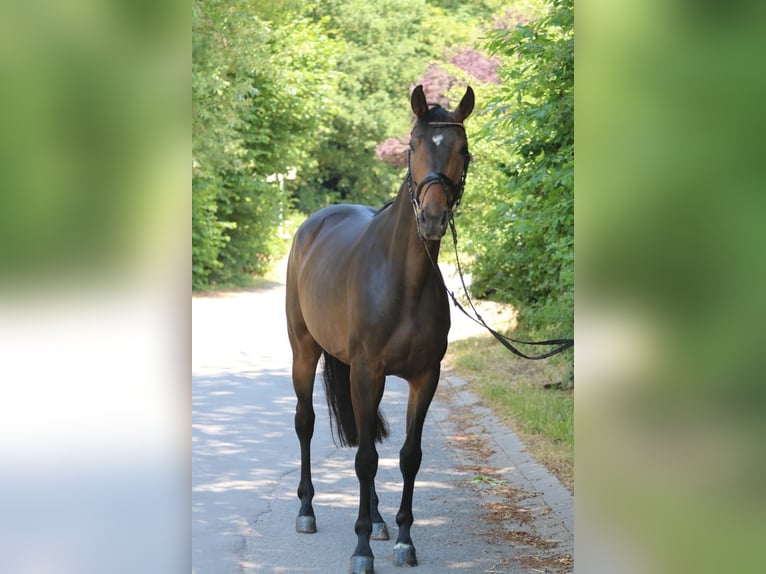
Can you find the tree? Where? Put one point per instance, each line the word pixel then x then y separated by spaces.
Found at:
pixel 259 93
pixel 522 219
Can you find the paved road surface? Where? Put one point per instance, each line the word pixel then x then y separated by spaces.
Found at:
pixel 481 504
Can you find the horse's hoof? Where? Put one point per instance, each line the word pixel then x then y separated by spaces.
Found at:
pixel 379 531
pixel 305 525
pixel 361 565
pixel 404 555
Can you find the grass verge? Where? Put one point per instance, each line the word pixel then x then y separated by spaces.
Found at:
pixel 515 389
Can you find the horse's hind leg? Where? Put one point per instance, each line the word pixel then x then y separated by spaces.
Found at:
pixel 379 527
pixel 305 357
pixel 422 390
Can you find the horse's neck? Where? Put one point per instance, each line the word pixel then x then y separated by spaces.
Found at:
pixel 419 258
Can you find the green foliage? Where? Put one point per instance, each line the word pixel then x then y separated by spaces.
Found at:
pixel 521 221
pixel 382 48
pixel 259 92
pixel 208 238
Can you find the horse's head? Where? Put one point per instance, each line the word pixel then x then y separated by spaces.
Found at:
pixel 437 162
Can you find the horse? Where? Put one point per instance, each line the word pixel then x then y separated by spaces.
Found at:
pixel 364 292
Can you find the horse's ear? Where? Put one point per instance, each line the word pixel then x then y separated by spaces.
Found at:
pixel 418 101
pixel 466 105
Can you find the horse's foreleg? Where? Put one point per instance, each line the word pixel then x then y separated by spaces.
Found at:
pixel 422 391
pixel 304 369
pixel 366 392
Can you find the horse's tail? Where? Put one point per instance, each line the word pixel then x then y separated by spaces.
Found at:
pixel 337 385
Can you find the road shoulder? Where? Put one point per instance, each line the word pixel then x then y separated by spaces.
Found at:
pixel 524 505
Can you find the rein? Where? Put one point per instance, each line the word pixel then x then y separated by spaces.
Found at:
pixel 564 344
pixel 457 191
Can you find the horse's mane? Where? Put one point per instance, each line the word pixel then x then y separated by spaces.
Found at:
pixel 435 113
pixel 386 205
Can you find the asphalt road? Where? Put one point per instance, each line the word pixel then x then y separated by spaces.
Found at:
pixel 481 503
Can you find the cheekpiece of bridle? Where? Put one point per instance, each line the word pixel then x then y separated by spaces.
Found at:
pixel 455 189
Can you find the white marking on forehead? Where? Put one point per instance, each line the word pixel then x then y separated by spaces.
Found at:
pixel 437 139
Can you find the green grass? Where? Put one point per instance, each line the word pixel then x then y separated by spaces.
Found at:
pixel 545 412
pixel 515 389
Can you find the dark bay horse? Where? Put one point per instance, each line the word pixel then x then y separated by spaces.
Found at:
pixel 364 292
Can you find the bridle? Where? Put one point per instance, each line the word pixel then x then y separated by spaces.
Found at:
pixel 455 190
pixel 457 193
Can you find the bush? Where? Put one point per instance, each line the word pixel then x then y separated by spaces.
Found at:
pixel 521 221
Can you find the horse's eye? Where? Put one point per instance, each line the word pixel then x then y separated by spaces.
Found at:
pixel 412 146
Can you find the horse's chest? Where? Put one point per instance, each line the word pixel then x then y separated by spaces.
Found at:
pixel 406 342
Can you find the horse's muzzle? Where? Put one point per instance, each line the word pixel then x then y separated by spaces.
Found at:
pixel 433 216
pixel 432 227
